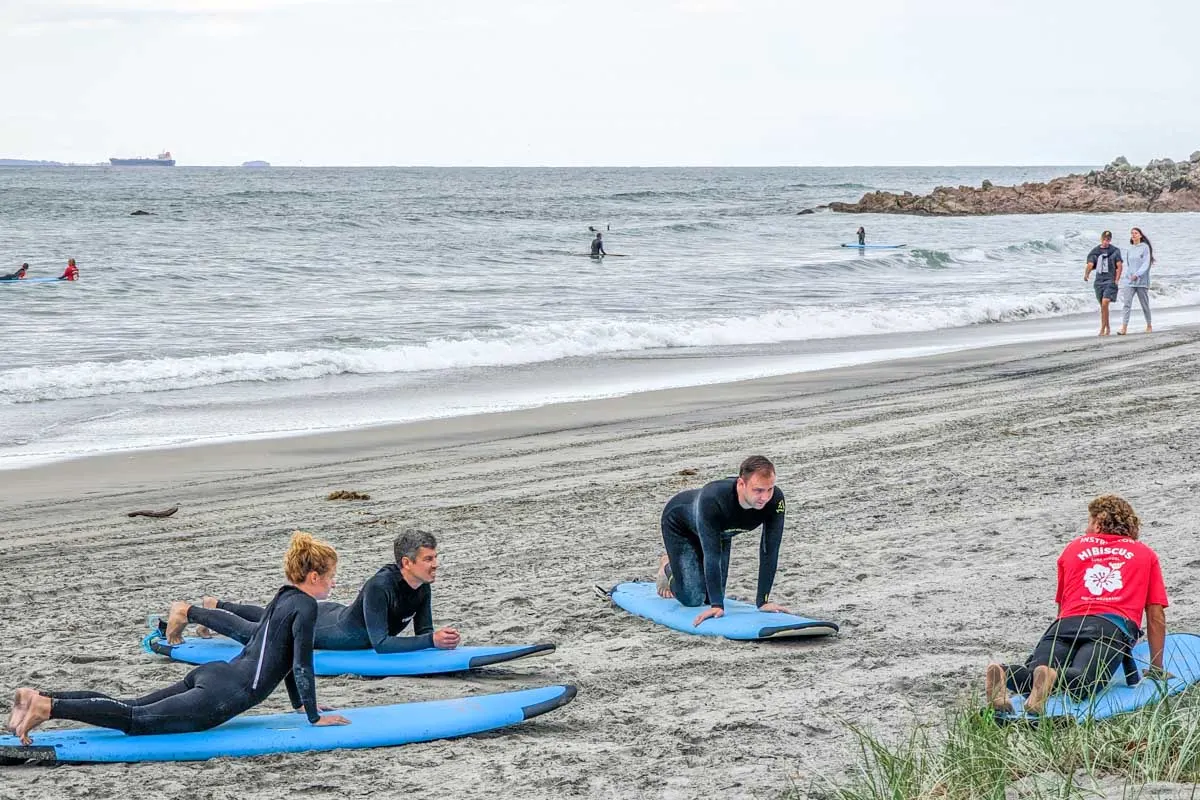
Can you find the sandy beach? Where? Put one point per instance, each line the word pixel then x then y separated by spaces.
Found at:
pixel 927 501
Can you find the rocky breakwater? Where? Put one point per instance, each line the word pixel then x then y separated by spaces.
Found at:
pixel 1161 185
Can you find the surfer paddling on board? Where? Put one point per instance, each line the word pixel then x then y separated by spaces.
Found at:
pixel 19 275
pixel 698 526
pixel 598 246
pixel 281 651
pixel 398 593
pixel 1107 580
pixel 71 273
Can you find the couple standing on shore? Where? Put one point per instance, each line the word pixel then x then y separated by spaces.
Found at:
pixel 1110 268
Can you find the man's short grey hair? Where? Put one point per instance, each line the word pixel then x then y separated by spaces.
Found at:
pixel 410 541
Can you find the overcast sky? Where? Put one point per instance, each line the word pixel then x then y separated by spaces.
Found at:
pixel 618 82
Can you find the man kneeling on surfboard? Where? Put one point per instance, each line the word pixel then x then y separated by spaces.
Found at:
pixel 281 651
pixel 397 594
pixel 698 526
pixel 1106 580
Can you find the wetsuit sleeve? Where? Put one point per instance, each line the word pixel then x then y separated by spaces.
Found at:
pixel 301 681
pixel 376 606
pixel 708 530
pixel 768 550
pixel 1091 258
pixel 423 621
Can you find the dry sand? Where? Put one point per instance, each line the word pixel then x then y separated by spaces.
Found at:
pixel 928 500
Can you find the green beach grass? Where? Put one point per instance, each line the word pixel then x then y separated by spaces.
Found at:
pixel 971 757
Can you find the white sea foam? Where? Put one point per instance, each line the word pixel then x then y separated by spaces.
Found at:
pixel 527 344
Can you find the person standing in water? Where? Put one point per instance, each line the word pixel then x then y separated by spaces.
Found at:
pixel 281 651
pixel 1138 258
pixel 1105 260
pixel 598 246
pixel 862 235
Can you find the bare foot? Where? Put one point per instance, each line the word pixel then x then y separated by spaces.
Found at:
pixel 176 622
pixel 997 691
pixel 37 711
pixel 1122 332
pixel 663 581
pixel 20 705
pixel 1043 684
pixel 206 602
pixel 1149 329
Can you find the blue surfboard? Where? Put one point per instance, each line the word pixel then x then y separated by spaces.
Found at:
pixel 430 661
pixel 262 734
pixel 741 621
pixel 33 280
pixel 1181 657
pixel 875 246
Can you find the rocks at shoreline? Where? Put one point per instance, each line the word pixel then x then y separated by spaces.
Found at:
pixel 1162 185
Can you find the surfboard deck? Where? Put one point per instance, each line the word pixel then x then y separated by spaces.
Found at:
pixel 742 621
pixel 263 734
pixel 35 280
pixel 368 663
pixel 875 246
pixel 1181 657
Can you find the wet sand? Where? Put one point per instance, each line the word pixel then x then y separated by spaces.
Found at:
pixel 927 501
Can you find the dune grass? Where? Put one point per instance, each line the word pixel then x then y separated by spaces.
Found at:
pixel 971 757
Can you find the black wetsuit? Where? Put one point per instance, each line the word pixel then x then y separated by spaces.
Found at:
pixel 698 526
pixel 12 276
pixel 383 608
pixel 280 650
pixel 598 247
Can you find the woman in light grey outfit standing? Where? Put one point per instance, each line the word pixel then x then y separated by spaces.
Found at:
pixel 1138 260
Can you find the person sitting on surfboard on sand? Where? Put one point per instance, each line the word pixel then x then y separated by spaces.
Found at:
pixel 1107 580
pixel 598 246
pixel 71 273
pixel 397 594
pixel 19 275
pixel 280 651
pixel 698 526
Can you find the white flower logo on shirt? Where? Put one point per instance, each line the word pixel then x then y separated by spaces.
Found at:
pixel 1100 579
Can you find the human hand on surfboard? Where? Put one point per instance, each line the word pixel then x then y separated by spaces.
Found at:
pixel 446 638
pixel 708 613
pixel 774 608
pixel 331 719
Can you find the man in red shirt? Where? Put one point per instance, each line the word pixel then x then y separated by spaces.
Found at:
pixel 71 273
pixel 1107 579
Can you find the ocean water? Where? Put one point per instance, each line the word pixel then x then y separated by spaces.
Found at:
pixel 280 301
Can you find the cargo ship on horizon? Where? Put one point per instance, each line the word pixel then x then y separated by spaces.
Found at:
pixel 164 159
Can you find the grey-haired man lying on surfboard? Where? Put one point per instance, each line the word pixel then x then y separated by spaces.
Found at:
pixel 698 526
pixel 397 594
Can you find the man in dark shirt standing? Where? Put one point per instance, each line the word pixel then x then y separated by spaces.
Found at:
pixel 1106 261
pixel 598 246
pixel 698 526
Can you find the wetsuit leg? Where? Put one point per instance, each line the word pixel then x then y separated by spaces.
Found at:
pixel 686 563
pixel 95 708
pixel 1099 647
pixel 226 623
pixel 1049 651
pixel 1084 650
pixel 243 610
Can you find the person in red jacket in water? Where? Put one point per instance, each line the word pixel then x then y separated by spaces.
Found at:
pixel 71 273
pixel 19 275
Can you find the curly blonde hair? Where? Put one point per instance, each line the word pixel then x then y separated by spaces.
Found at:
pixel 1114 515
pixel 306 554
